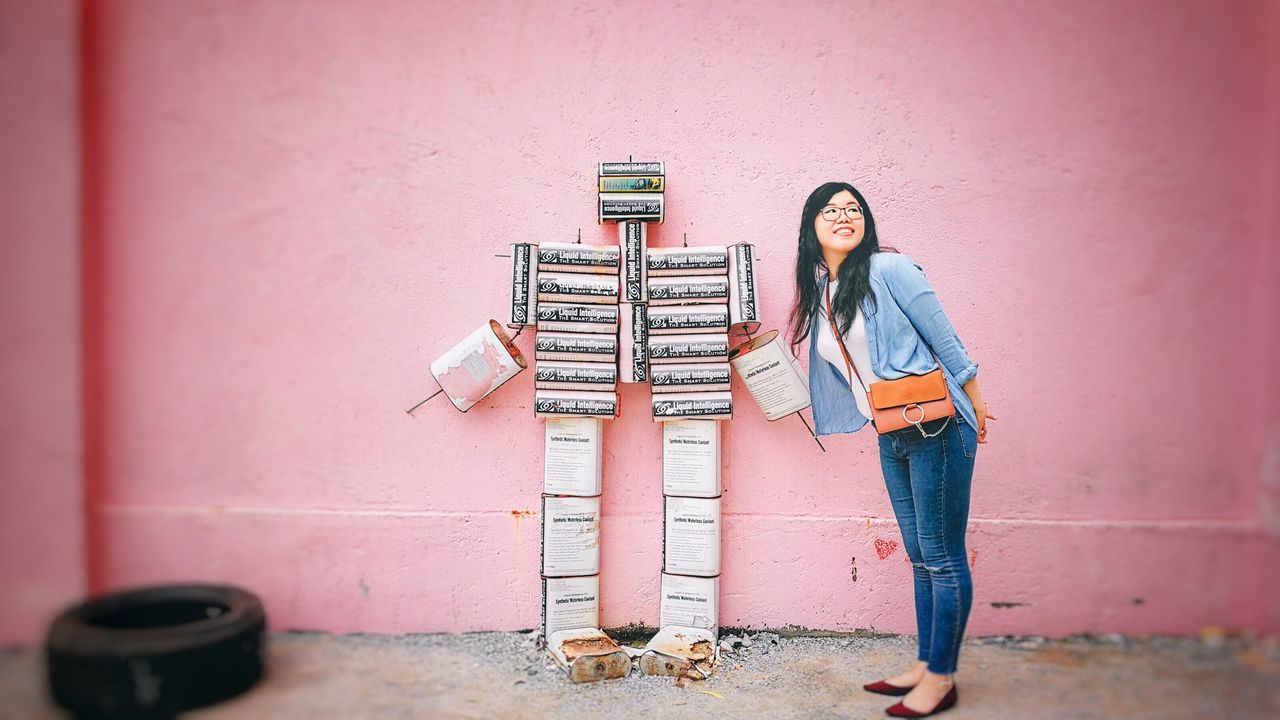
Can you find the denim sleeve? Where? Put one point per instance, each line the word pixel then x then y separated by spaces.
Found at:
pixel 920 304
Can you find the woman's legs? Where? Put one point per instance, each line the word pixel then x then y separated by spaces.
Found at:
pixel 941 470
pixel 933 518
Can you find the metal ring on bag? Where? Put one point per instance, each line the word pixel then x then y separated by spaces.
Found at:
pixel 909 420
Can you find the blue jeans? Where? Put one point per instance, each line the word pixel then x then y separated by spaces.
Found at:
pixel 928 481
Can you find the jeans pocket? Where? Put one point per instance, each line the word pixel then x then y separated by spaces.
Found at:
pixel 968 438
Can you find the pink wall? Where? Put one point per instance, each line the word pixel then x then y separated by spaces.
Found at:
pixel 41 489
pixel 1268 304
pixel 295 208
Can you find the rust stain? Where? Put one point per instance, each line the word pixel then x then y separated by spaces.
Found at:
pixel 576 648
pixel 1213 633
pixel 885 548
pixel 973 558
pixel 519 515
pixel 700 650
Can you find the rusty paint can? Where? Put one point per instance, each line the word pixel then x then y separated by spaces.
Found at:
pixel 588 655
pixel 678 651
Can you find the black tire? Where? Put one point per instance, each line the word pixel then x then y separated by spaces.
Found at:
pixel 156 651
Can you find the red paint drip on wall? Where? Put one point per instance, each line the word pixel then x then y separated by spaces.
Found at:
pixel 885 548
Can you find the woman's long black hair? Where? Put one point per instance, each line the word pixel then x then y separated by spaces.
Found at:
pixel 854 274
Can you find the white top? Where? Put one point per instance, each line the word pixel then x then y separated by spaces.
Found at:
pixel 855 341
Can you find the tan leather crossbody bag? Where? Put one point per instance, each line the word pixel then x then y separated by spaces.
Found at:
pixel 896 404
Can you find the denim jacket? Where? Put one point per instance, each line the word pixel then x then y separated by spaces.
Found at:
pixel 905 325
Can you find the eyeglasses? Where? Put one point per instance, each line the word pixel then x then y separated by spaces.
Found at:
pixel 831 214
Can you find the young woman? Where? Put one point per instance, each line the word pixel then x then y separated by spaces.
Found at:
pixel 891 326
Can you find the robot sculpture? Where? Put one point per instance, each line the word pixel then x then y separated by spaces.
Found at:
pixel 606 314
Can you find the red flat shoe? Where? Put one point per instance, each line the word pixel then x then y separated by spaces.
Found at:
pixel 948 701
pixel 883 688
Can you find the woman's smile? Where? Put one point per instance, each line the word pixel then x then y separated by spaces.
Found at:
pixel 839 226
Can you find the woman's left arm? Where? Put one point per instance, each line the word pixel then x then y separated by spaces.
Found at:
pixel 920 304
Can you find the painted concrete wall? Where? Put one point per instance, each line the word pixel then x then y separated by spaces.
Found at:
pixel 41 483
pixel 295 208
pixel 1269 310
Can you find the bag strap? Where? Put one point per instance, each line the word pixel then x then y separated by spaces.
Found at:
pixel 840 339
pixel 848 361
pixel 835 330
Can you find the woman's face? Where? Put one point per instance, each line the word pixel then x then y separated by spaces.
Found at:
pixel 840 225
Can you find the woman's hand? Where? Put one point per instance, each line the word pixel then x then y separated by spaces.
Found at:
pixel 984 414
pixel 980 408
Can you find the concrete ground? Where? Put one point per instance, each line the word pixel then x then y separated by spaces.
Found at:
pixel 503 675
